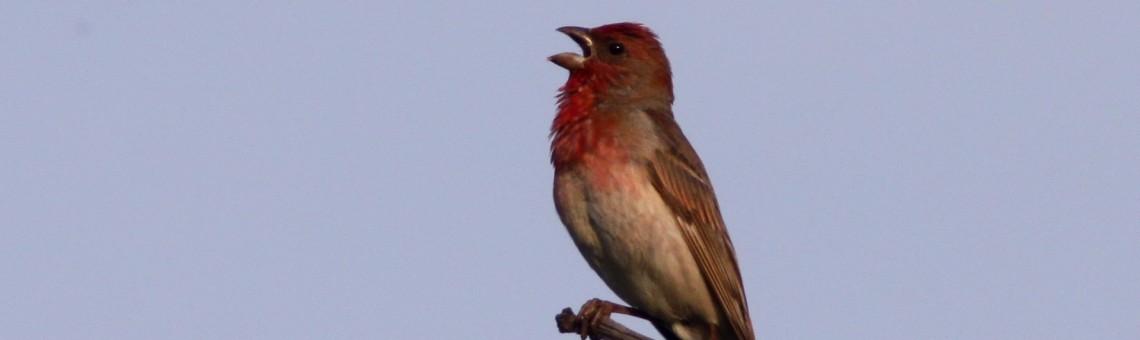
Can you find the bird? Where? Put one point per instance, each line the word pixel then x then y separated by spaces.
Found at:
pixel 633 194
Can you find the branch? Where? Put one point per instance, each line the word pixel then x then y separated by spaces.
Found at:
pixel 606 329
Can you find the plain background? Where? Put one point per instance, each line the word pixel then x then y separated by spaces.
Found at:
pixel 888 170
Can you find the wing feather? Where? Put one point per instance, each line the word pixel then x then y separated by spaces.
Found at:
pixel 680 178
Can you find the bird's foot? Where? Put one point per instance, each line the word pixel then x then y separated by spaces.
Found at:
pixel 594 311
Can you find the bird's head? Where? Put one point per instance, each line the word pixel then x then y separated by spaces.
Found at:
pixel 618 61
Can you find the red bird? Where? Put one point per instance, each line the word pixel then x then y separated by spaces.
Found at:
pixel 634 195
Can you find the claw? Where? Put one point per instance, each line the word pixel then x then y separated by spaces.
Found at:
pixel 592 312
pixel 595 311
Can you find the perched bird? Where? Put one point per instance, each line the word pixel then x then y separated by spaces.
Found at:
pixel 634 195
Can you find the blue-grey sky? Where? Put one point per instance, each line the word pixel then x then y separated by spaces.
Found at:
pixel 889 170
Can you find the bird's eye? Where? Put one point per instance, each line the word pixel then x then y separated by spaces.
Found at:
pixel 617 48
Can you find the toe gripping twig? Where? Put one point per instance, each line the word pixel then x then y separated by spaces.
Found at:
pixel 604 329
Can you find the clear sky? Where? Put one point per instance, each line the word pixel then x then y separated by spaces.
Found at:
pixel 891 170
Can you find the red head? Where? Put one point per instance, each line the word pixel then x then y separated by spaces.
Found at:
pixel 620 63
pixel 622 70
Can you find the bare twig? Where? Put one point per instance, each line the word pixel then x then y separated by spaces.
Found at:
pixel 606 329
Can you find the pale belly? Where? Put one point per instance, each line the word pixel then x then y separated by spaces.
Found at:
pixel 630 238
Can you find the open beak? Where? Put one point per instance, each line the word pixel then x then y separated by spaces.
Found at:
pixel 572 61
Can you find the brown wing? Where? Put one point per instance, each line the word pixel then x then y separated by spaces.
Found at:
pixel 680 178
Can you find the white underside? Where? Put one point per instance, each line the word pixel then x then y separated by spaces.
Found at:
pixel 635 244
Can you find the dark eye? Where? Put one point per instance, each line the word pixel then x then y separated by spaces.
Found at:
pixel 617 48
